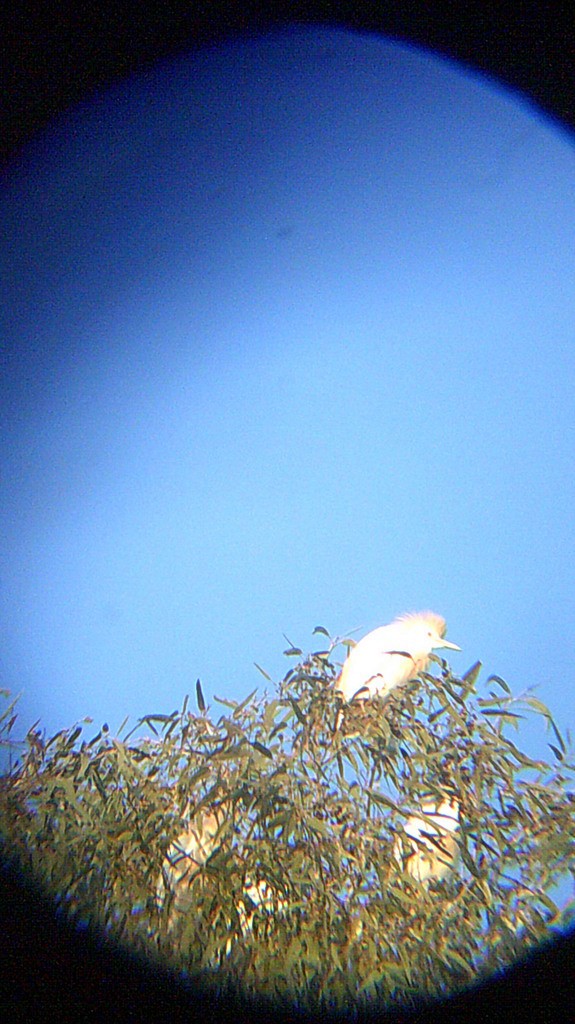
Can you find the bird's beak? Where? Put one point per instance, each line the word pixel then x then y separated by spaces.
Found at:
pixel 452 647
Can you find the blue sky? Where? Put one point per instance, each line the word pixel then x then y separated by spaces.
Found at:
pixel 289 336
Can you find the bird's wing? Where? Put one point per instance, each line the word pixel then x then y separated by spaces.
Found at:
pixel 374 665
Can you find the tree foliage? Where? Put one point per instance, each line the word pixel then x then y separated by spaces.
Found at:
pixel 313 798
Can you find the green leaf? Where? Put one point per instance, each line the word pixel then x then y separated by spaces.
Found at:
pixel 468 861
pixel 262 749
pixel 470 677
pixel 322 630
pixel 501 714
pixel 67 785
pixel 436 714
pixel 384 801
pixel 11 706
pixel 500 682
pixel 227 703
pixel 548 902
pixel 493 701
pixel 99 784
pixel 263 672
pixel 300 717
pixel 523 759
pixel 538 705
pixel 318 825
pixel 170 729
pixel 558 735
pixel 53 739
pixel 454 957
pixel 270 714
pixel 74 736
pixel 122 726
pixel 244 703
pixel 322 656
pixel 449 689
pixel 200 697
pixel 486 892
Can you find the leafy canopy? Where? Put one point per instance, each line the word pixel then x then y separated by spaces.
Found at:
pixel 313 799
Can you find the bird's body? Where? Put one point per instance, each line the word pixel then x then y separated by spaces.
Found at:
pixel 392 655
pixel 430 851
pixel 186 855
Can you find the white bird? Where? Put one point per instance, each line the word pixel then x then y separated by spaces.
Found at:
pixel 430 852
pixel 186 855
pixel 392 655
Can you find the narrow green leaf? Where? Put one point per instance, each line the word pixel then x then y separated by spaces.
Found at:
pixel 300 717
pixel 548 902
pixel 99 784
pixel 228 753
pixel 467 860
pixel 74 736
pixel 436 714
pixel 558 735
pixel 227 703
pixel 122 726
pixel 53 739
pixel 486 892
pixel 263 672
pixel 269 714
pixel 12 704
pixel 68 787
pixel 454 957
pixel 522 758
pixel 200 697
pixel 262 749
pixel 382 800
pixel 449 689
pixel 500 682
pixel 501 714
pixel 538 705
pixel 170 729
pixel 244 704
pixel 493 701
pixel 470 677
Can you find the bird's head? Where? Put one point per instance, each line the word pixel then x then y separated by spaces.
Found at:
pixel 428 630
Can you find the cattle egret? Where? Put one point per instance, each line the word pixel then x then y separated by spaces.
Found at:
pixel 186 855
pixel 430 851
pixel 392 655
